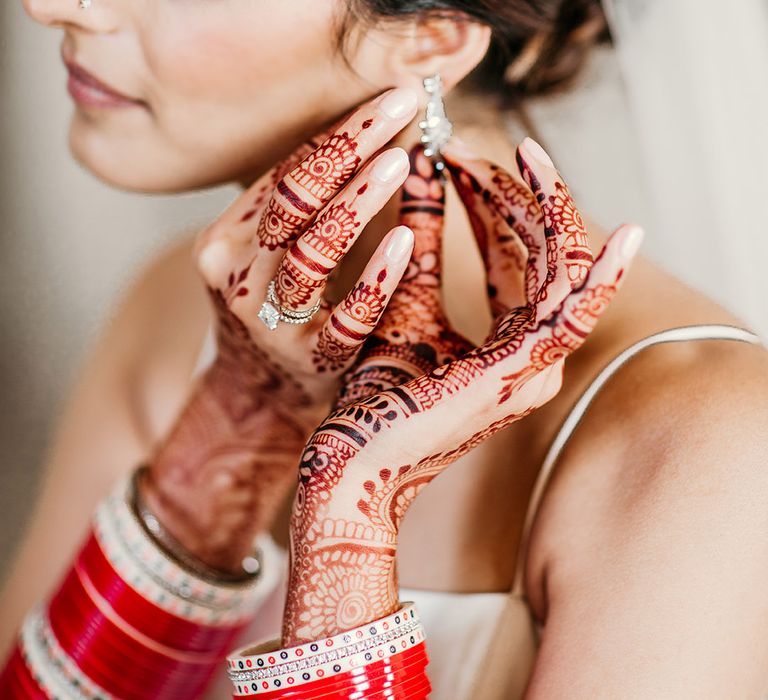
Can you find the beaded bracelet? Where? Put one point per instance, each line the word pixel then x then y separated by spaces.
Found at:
pixel 173 549
pixel 346 659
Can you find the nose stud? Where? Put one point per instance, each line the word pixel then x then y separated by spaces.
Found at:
pixel 85 4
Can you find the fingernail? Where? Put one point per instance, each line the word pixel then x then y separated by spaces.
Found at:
pixel 399 244
pixel 536 152
pixel 390 165
pixel 632 240
pixel 399 103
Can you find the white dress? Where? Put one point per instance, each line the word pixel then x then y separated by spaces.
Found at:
pixel 486 651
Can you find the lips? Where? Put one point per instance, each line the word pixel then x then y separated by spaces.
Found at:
pixel 88 90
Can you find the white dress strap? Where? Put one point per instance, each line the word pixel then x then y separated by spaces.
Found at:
pixel 671 335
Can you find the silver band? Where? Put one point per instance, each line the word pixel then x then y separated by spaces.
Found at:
pixel 272 312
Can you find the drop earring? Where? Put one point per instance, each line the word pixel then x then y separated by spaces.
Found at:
pixel 436 128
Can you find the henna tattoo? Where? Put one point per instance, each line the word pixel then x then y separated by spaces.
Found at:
pixel 352 495
pixel 561 220
pixel 307 263
pixel 223 470
pixel 414 336
pixel 412 339
pixel 352 322
pixel 510 218
pixel 308 187
pixel 504 216
pixel 221 474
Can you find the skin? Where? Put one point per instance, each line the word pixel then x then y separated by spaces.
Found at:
pixel 668 500
pixel 419 383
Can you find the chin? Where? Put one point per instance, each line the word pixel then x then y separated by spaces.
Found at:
pixel 137 163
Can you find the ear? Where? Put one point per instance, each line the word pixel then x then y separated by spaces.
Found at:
pixel 406 52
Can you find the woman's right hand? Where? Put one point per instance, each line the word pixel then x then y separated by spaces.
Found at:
pixel 225 468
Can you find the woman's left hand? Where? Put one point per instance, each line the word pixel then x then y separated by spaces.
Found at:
pixel 420 397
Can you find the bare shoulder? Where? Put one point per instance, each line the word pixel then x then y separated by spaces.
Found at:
pixel 649 537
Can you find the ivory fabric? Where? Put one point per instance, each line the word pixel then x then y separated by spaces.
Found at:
pixel 481 645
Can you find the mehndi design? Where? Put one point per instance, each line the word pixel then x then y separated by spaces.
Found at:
pixel 419 396
pixel 222 473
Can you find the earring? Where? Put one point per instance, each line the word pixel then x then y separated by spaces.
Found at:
pixel 85 4
pixel 436 128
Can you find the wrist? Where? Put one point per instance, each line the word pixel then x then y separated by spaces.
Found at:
pixel 388 654
pixel 343 574
pixel 181 552
pixel 225 469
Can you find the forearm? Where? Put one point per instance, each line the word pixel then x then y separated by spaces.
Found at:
pixel 228 463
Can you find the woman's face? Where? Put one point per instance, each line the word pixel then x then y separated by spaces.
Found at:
pixel 220 89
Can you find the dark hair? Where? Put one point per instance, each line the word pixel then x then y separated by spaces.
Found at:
pixel 537 46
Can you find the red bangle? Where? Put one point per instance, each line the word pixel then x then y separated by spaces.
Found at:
pixel 16 681
pixel 386 657
pixel 127 622
pixel 382 677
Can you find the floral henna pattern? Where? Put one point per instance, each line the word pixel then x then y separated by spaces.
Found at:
pixel 221 474
pixel 353 491
pixel 310 259
pixel 269 182
pixel 526 230
pixel 309 186
pixel 504 216
pixel 351 325
pixel 561 221
pixel 414 335
pixel 334 463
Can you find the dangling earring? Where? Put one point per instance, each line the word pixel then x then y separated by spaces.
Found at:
pixel 436 128
pixel 85 4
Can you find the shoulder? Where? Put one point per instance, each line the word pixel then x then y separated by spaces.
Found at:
pixel 673 413
pixel 656 529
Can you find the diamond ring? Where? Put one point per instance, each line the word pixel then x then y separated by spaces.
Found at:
pixel 272 312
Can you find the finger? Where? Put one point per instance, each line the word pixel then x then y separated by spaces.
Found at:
pixel 273 211
pixel 302 192
pixel 568 255
pixel 353 319
pixel 506 221
pixel 252 201
pixel 415 314
pixel 230 231
pixel 568 326
pixel 306 265
pixel 413 336
pixel 488 380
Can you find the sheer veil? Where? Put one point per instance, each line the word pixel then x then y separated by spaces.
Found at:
pixel 695 74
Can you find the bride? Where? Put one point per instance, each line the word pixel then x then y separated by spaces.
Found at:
pixel 595 534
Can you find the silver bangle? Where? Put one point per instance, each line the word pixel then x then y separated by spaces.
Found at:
pixel 176 552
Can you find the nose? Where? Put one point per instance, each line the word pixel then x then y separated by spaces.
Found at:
pixel 99 17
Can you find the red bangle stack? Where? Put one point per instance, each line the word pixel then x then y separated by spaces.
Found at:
pixel 383 659
pixel 127 622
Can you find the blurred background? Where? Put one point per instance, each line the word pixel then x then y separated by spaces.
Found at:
pixel 668 130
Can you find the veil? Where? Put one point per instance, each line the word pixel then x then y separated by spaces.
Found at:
pixel 695 74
